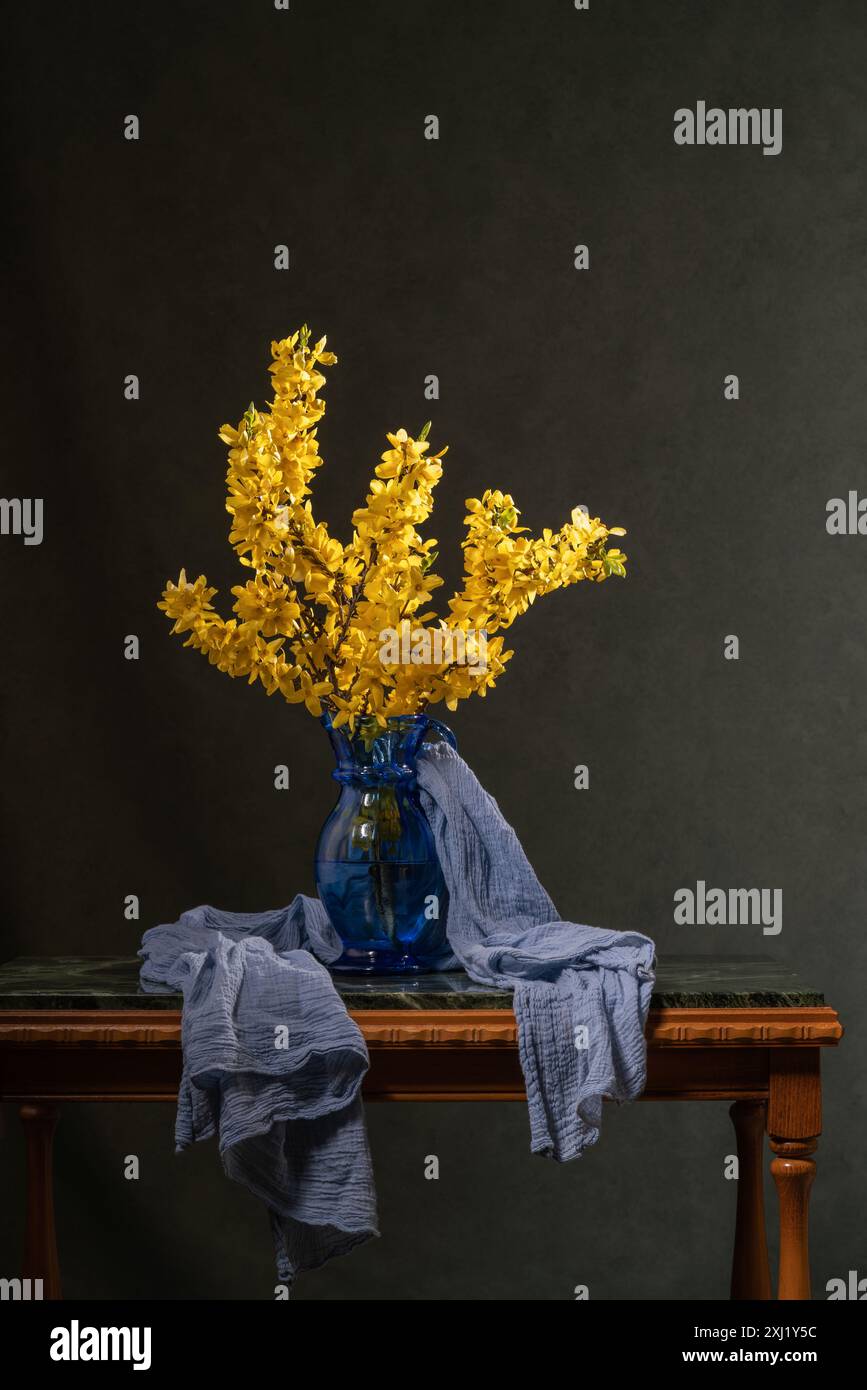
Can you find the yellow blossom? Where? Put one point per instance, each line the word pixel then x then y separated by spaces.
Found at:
pixel 308 622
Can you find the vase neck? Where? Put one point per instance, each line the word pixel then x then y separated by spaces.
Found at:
pixel 374 755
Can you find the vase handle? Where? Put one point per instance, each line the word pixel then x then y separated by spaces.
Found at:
pixel 436 726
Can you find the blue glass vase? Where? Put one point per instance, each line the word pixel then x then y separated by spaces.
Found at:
pixel 376 864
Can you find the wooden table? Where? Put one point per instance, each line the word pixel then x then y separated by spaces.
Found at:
pixel 738 1029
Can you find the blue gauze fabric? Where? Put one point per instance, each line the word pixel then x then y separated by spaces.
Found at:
pixel 504 930
pixel 273 1064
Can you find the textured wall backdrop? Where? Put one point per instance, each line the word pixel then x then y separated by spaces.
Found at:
pixel 605 386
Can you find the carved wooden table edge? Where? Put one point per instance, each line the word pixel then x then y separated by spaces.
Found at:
pixel 795 1026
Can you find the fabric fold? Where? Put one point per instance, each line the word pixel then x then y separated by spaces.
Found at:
pixel 272 1066
pixel 581 994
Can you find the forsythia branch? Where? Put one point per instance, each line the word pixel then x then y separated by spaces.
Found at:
pixel 309 622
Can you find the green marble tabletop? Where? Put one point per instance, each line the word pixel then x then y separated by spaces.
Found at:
pixel 111 982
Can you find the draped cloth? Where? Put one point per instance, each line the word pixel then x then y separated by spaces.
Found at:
pixel 273 1064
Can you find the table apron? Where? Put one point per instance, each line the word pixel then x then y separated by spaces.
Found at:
pixel 135 1055
pixel 106 1073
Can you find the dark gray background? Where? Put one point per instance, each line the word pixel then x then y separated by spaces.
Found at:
pixel 606 388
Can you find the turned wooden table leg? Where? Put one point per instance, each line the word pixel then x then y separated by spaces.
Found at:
pixel 793 1174
pixel 794 1125
pixel 40 1239
pixel 751 1273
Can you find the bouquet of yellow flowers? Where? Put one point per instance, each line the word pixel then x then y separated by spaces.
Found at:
pixel 349 629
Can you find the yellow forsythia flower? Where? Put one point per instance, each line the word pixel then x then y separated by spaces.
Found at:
pixel 309 622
